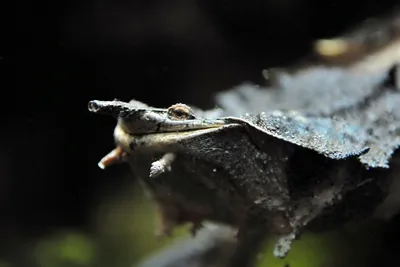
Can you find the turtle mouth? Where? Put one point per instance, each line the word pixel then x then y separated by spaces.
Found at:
pixel 144 126
pixel 160 141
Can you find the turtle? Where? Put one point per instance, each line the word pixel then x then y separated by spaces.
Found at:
pixel 302 154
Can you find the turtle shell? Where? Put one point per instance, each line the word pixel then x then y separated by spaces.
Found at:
pixel 337 113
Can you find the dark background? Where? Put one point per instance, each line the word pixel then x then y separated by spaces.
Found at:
pixel 159 52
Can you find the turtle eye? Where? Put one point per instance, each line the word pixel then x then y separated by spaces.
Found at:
pixel 180 112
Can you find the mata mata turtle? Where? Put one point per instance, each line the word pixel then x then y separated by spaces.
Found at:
pixel 306 152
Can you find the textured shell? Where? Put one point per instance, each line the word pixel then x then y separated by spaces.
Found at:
pixel 334 139
pixel 338 113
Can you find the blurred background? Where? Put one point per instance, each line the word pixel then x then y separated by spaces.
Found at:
pixel 57 207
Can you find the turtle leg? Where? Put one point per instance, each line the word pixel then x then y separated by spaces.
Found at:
pixel 283 245
pixel 308 209
pixel 162 165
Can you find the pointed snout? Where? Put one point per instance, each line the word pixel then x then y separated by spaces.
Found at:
pixel 114 108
